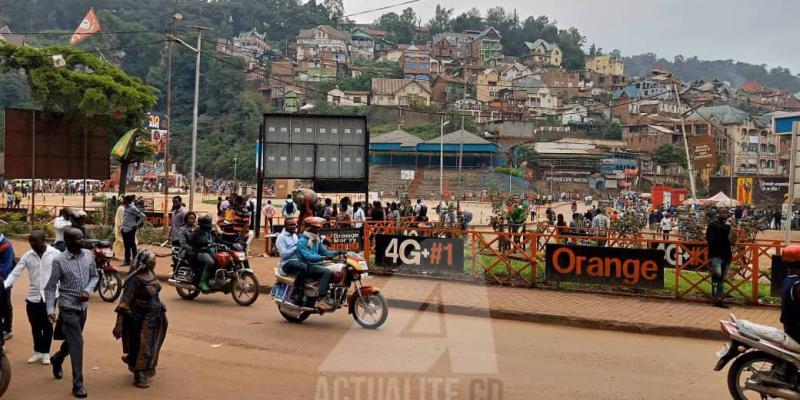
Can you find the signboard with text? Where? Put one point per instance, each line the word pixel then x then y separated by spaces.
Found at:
pixel 343 239
pixel 430 254
pixel 640 268
pixel 703 150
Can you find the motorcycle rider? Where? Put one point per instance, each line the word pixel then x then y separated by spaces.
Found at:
pixel 201 242
pixel 790 296
pixel 290 262
pixel 236 224
pixel 312 253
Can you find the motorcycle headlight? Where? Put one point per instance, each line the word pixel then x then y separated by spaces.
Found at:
pixel 239 255
pixel 108 253
pixel 363 265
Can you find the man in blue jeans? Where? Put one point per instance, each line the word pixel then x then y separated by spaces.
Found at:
pixel 290 262
pixel 313 253
pixel 720 237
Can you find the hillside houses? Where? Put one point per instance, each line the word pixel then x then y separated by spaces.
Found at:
pixel 541 52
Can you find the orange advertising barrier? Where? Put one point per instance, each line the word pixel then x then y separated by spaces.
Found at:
pixel 516 258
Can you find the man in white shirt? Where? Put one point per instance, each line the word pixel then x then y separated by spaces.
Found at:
pixel 358 216
pixel 666 225
pixel 60 224
pixel 39 262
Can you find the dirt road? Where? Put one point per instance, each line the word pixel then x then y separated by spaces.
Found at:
pixel 216 349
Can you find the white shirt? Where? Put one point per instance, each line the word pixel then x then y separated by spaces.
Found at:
pixel 359 216
pixel 666 224
pixel 60 224
pixel 38 271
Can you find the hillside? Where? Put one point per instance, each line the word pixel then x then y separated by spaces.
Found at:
pixel 693 68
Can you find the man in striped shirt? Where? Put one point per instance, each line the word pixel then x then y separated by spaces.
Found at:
pixel 74 275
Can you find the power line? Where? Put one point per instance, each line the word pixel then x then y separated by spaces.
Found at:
pixel 379 8
pixel 96 33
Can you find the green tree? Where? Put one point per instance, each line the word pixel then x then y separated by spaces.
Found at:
pixel 441 20
pixel 469 20
pixel 668 156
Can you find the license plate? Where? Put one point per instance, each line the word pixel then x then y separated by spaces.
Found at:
pixel 725 350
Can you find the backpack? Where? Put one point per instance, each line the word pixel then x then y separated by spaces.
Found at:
pixel 290 208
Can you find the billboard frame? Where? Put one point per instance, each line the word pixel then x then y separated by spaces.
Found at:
pixel 320 185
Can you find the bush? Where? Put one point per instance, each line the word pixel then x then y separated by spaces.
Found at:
pixel 150 234
pixel 101 232
pixel 99 198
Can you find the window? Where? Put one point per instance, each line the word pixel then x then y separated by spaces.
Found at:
pixel 357 100
pixel 409 65
pixel 337 99
pixel 423 66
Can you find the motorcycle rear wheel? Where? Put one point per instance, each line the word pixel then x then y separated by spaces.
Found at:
pixel 370 310
pixel 110 286
pixel 245 289
pixel 188 294
pixel 753 362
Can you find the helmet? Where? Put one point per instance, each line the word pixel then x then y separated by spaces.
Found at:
pixel 791 254
pixel 205 222
pixel 314 221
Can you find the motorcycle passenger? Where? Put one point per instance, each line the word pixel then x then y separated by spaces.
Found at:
pixel 312 252
pixel 201 242
pixel 236 224
pixel 290 262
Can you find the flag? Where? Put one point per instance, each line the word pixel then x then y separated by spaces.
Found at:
pixel 88 26
pixel 120 150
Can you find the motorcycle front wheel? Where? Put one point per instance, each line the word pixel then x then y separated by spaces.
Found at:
pixel 110 286
pixel 749 366
pixel 244 288
pixel 370 310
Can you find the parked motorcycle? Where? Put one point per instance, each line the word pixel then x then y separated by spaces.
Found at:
pixel 367 305
pixel 109 286
pixel 232 275
pixel 762 368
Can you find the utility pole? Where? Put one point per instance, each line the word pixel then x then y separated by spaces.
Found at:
pixel 686 144
pixel 235 165
pixel 172 19
pixel 441 157
pixel 198 50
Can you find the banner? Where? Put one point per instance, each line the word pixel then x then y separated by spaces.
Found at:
pixel 744 190
pixel 120 149
pixel 691 256
pixel 641 268
pixel 703 151
pixel 420 253
pixel 90 25
pixel 407 175
pixel 343 239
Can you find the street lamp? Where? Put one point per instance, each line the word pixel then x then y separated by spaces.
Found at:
pixel 177 17
pixel 441 157
pixel 197 50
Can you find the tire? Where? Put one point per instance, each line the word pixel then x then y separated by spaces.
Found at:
pixel 188 294
pixel 238 293
pixel 359 305
pixel 295 320
pixel 738 366
pixel 110 286
pixel 5 374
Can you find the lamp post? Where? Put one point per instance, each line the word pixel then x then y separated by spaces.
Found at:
pixel 197 50
pixel 441 157
pixel 177 17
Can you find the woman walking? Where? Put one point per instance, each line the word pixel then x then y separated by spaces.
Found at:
pixel 141 319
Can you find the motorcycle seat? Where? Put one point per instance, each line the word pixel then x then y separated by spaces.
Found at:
pixel 288 279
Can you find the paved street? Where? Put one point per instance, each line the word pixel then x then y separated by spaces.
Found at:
pixel 215 349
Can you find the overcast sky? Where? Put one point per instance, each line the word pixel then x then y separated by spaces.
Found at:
pixel 755 31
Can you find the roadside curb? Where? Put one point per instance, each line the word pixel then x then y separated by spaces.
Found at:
pixel 541 318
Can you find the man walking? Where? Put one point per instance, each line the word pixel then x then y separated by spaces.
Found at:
pixel 720 237
pixel 132 218
pixel 177 216
pixel 39 262
pixel 74 275
pixel 6 265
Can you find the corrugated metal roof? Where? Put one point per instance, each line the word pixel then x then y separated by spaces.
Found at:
pixel 389 86
pixel 401 137
pixel 547 45
pixel 723 114
pixel 460 137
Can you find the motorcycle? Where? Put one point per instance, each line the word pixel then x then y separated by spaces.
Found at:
pixel 762 364
pixel 232 274
pixel 109 285
pixel 366 303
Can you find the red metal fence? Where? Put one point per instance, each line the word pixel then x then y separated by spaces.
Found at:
pixel 517 258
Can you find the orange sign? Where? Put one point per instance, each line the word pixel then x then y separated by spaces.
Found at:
pixel 744 190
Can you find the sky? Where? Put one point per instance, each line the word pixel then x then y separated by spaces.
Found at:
pixel 754 31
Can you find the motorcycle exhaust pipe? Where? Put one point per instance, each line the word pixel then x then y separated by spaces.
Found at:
pixel 774 392
pixel 181 285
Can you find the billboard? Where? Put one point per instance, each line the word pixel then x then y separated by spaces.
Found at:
pixel 324 148
pixel 431 254
pixel 59 147
pixel 641 268
pixel 744 190
pixel 703 151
